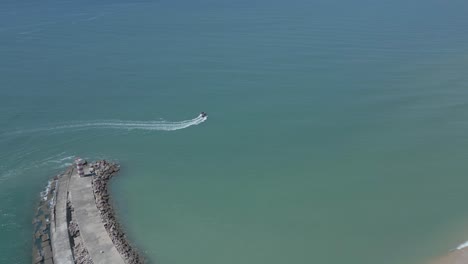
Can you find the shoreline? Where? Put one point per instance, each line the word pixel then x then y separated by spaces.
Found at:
pixel 75 221
pixel 459 255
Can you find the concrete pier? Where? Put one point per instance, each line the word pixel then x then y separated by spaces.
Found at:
pixel 59 228
pixel 83 226
pixel 92 231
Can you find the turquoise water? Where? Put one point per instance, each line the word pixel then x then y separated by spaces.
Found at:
pixel 336 131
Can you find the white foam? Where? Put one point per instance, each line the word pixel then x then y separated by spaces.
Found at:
pixel 67 158
pixel 121 125
pixel 46 191
pixel 60 160
pixel 65 165
pixel 464 245
pixel 4 176
pixel 135 125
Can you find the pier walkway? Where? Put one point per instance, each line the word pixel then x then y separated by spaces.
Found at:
pixel 61 248
pixel 92 231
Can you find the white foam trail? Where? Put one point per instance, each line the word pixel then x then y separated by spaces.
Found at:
pixel 132 125
pixel 123 125
pixel 67 158
pixel 4 176
pixel 60 160
pixel 65 165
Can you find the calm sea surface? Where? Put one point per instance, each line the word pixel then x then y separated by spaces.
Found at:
pixel 337 130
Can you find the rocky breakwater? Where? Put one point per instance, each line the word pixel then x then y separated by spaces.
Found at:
pixel 103 172
pixel 42 249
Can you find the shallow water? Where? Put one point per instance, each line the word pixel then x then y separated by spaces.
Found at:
pixel 336 131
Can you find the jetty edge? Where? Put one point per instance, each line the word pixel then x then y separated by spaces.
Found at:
pixel 75 222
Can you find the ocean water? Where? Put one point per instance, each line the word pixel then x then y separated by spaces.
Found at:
pixel 337 130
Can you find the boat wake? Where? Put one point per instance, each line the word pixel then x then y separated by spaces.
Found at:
pixel 133 125
pixel 122 125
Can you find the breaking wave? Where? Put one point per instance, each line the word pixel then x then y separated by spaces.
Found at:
pixel 462 246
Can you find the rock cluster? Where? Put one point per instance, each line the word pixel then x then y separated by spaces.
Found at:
pixel 42 249
pixel 103 172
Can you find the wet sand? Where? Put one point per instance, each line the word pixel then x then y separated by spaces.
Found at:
pixel 458 256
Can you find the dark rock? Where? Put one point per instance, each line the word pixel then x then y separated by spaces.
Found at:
pixel 104 171
pixel 39 259
pixel 45 237
pixel 47 252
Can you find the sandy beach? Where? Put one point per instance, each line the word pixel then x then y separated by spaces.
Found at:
pixel 458 256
